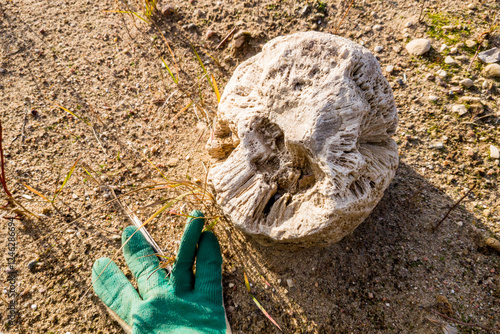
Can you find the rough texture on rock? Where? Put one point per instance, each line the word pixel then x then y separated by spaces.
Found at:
pixel 419 46
pixel 303 137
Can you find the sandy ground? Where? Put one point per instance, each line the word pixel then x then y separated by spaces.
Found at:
pixel 391 275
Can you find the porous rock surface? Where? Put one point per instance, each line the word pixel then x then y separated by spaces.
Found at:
pixel 303 140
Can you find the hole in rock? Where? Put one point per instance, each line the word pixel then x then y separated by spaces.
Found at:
pixel 271 202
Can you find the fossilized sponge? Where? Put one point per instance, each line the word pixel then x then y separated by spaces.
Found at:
pixel 303 140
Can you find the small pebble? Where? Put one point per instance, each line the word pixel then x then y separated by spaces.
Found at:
pixel 460 109
pixel 430 77
pixel 409 24
pixel 389 69
pixel 436 145
pixel 442 73
pixel 27 196
pixel 305 10
pixel 462 58
pixel 231 285
pixel 418 46
pixel 470 43
pixel 72 257
pixel 453 50
pixel 32 265
pixel 460 223
pixel 34 307
pixel 172 162
pixel 467 83
pixel 443 47
pixel 494 152
pixel 290 283
pixel 487 212
pixel 377 27
pixel 492 71
pixel 433 98
pixel 209 33
pixel 379 48
pixel 450 61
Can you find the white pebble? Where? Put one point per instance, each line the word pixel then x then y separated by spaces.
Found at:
pixel 33 306
pixel 450 61
pixel 442 73
pixel 494 153
pixel 389 69
pixel 379 48
pixel 467 83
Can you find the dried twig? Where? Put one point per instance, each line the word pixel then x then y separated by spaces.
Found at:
pixel 452 208
pixel 482 37
pixel 422 7
pixel 224 40
pixel 343 17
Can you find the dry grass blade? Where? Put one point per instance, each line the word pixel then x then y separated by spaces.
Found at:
pixel 66 179
pixel 216 89
pixel 203 67
pixel 169 71
pixel 265 312
pixel 71 113
pixel 167 206
pixel 127 12
pixel 247 284
pixel 36 192
pixel 211 225
pixel 152 164
pixel 181 111
pixel 261 308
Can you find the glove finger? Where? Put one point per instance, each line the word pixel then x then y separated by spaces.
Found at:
pixel 208 281
pixel 141 260
pixel 114 289
pixel 182 277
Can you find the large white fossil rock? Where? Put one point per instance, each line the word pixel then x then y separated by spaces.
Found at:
pixel 303 140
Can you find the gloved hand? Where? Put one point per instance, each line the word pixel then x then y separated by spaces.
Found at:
pixel 181 303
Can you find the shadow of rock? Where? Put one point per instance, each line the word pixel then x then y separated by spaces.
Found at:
pixel 384 277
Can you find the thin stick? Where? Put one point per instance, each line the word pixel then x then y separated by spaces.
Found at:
pixel 224 40
pixel 482 37
pixel 421 12
pixel 343 17
pixel 452 208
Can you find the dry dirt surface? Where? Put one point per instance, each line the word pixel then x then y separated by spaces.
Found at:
pixel 82 83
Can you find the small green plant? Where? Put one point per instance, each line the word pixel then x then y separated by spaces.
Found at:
pixel 455 35
pixel 321 5
pixel 148 11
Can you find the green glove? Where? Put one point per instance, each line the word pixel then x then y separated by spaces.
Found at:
pixel 182 303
